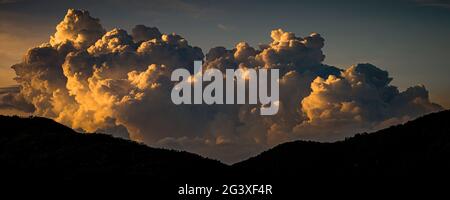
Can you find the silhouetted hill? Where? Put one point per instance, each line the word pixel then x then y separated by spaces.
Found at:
pixel 36 147
pixel 41 148
pixel 419 148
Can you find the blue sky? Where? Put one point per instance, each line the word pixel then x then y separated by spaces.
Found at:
pixel 408 38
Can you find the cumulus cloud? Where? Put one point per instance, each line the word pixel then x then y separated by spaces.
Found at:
pixel 359 98
pixel 96 80
pixel 79 28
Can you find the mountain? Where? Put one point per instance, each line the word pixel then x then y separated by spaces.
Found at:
pixel 419 148
pixel 35 147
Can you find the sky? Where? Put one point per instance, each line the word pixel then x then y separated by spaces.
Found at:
pixel 408 38
pixel 346 67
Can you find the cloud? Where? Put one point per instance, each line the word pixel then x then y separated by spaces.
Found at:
pixel 141 33
pixel 434 3
pixel 79 28
pixel 96 80
pixel 11 99
pixel 225 27
pixel 11 89
pixel 9 1
pixel 360 97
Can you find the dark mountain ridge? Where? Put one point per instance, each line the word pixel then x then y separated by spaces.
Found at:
pixel 39 147
pixel 419 148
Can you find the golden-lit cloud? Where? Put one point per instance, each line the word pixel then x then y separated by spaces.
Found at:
pixel 96 80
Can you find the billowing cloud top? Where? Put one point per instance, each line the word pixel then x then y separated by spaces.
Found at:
pixel 96 80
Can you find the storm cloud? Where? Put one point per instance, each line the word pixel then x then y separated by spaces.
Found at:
pixel 92 79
